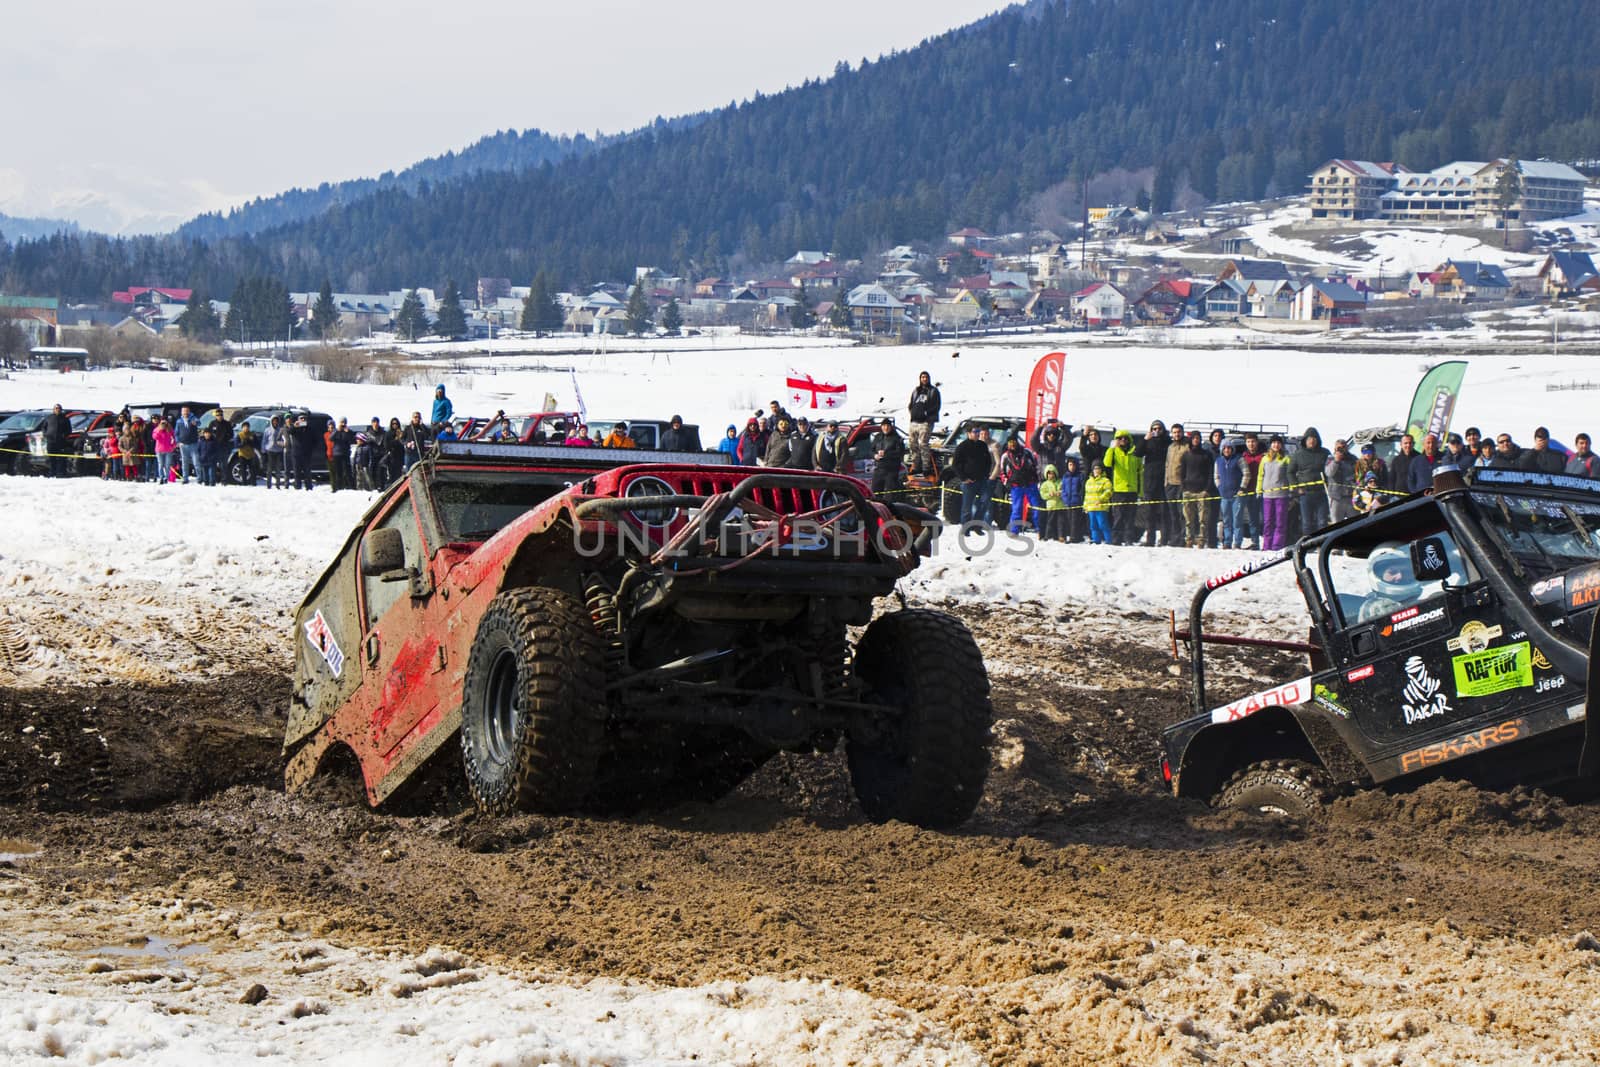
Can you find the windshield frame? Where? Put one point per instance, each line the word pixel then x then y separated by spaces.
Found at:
pixel 1498 515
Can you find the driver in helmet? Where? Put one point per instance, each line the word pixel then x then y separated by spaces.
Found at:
pixel 1394 586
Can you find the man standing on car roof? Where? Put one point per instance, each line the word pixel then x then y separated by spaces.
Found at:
pixel 679 438
pixel 923 410
pixel 442 408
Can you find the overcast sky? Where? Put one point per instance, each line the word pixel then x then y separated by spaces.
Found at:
pixel 145 114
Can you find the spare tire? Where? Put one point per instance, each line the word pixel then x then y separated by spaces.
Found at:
pixel 533 712
pixel 927 764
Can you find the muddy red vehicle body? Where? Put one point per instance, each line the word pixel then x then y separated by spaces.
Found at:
pixel 579 627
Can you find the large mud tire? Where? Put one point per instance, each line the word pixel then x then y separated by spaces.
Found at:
pixel 950 503
pixel 928 767
pixel 533 714
pixel 1277 787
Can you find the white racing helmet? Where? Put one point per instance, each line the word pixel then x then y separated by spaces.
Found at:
pixel 1392 576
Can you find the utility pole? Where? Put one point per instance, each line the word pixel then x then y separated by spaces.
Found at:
pixel 1083 234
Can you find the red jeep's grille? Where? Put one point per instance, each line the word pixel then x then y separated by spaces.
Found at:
pixel 784 500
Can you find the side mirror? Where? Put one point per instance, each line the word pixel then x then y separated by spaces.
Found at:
pixel 382 553
pixel 1429 561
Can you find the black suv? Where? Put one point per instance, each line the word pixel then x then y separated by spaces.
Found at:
pixel 240 471
pixel 1451 634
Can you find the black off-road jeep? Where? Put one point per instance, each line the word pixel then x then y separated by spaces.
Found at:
pixel 1451 634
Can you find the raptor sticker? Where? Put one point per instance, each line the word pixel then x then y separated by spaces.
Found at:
pixel 321 638
pixel 1483 674
pixel 1423 696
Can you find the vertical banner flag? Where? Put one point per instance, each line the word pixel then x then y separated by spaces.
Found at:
pixel 1044 391
pixel 1435 401
pixel 806 392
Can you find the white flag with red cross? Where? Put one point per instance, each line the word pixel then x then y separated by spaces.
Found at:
pixel 806 392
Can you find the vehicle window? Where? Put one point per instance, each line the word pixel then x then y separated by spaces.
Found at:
pixel 380 596
pixel 1374 582
pixel 476 507
pixel 23 420
pixel 645 436
pixel 1544 536
pixel 79 422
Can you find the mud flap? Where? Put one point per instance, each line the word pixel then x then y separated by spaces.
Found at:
pixel 1589 762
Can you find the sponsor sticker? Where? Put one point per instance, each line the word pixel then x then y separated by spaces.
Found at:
pixel 1360 674
pixel 1482 674
pixel 1283 696
pixel 1246 569
pixel 321 638
pixel 1540 660
pixel 1423 696
pixel 1474 637
pixel 1411 618
pixel 1328 700
pixel 1548 590
pixel 1583 589
pixel 1465 745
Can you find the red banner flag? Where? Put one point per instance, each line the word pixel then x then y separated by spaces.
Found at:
pixel 1044 391
pixel 802 386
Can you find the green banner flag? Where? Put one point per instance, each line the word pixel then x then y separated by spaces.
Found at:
pixel 1435 401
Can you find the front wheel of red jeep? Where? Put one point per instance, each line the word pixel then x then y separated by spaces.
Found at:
pixel 926 763
pixel 533 710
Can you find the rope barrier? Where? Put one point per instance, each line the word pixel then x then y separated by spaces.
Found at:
pixel 944 488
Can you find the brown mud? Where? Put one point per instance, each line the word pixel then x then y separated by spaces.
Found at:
pixel 1082 916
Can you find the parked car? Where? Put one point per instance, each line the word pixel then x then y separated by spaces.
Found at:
pixel 239 471
pixel 89 429
pixel 168 409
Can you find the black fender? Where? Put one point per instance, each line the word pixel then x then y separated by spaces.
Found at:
pixel 1216 750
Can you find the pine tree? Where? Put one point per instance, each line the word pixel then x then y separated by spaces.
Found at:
pixel 540 312
pixel 672 318
pixel 452 321
pixel 1507 191
pixel 800 316
pixel 411 319
pixel 839 314
pixel 199 320
pixel 549 317
pixel 325 313
pixel 1163 187
pixel 636 316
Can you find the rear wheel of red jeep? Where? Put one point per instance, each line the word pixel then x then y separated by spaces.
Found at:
pixel 533 711
pixel 927 764
pixel 1277 787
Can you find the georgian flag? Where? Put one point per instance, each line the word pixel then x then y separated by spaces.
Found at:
pixel 806 391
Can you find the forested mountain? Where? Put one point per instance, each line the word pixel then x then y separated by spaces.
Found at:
pixel 1240 98
pixel 13 227
pixel 507 150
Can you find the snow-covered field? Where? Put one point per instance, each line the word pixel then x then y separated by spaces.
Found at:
pixel 1338 391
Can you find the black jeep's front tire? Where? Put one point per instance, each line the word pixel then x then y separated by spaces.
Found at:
pixel 1277 787
pixel 239 471
pixel 533 712
pixel 928 766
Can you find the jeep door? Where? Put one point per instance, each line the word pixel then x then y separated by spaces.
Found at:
pixel 399 646
pixel 1409 655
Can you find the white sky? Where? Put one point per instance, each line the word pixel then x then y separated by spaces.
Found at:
pixel 158 111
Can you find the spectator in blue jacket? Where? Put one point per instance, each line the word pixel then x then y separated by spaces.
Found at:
pixel 1230 476
pixel 729 445
pixel 1419 474
pixel 442 408
pixel 186 432
pixel 1072 498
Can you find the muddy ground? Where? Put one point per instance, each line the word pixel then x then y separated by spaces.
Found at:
pixel 1082 916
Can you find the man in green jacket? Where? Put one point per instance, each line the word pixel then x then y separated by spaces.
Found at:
pixel 1126 471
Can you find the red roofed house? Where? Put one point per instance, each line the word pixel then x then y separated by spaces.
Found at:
pixel 1100 304
pixel 1166 301
pixel 144 294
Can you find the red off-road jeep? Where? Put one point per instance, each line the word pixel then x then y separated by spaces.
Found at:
pixel 599 634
